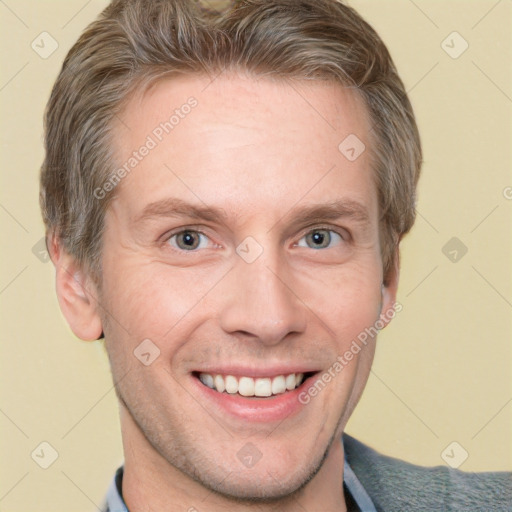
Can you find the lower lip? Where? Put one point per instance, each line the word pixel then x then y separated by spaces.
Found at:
pixel 257 410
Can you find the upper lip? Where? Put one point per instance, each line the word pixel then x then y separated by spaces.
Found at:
pixel 257 372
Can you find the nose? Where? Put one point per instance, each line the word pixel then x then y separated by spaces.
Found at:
pixel 259 303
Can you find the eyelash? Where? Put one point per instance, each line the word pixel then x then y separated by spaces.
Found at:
pixel 342 233
pixel 168 236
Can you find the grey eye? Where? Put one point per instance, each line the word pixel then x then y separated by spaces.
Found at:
pixel 188 240
pixel 320 239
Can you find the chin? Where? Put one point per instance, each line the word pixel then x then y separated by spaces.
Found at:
pixel 262 483
pixel 260 487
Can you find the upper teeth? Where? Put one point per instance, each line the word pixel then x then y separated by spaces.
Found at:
pixel 247 386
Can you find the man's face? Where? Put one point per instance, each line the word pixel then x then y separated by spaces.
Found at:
pixel 243 244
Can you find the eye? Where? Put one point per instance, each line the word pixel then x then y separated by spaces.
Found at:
pixel 320 239
pixel 188 240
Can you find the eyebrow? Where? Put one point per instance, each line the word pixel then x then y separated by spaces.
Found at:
pixel 313 213
pixel 343 208
pixel 174 207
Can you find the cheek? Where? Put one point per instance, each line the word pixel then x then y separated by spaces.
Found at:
pixel 149 299
pixel 347 299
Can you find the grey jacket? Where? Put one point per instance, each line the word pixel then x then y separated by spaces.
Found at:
pixel 397 486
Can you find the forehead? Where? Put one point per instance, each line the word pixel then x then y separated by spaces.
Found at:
pixel 254 141
pixel 247 101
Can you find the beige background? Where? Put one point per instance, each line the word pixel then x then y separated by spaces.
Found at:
pixel 443 367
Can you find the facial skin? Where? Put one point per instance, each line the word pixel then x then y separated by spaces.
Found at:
pixel 260 153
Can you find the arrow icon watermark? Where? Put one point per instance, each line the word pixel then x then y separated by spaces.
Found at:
pixel 146 352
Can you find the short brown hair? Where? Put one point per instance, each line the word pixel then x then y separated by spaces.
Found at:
pixel 137 41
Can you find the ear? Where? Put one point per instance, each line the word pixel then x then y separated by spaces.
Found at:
pixel 76 293
pixel 389 290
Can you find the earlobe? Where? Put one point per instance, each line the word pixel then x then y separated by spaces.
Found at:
pixel 76 293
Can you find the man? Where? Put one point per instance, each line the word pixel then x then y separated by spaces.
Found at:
pixel 224 195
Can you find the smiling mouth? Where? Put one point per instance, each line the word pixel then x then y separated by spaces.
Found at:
pixel 252 387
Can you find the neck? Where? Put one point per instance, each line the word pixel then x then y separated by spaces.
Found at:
pixel 152 483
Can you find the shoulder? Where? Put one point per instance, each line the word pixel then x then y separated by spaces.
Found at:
pixel 400 486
